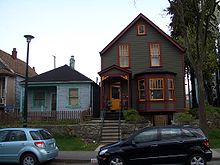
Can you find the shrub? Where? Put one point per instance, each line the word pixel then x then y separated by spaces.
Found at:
pixel 132 116
pixel 184 118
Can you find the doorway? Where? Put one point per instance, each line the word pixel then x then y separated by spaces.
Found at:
pixel 115 96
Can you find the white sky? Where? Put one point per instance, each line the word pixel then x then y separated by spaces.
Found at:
pixel 70 27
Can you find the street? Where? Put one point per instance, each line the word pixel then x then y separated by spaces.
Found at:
pixel 217 162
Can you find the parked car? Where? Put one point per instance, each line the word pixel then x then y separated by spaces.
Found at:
pixel 26 146
pixel 166 144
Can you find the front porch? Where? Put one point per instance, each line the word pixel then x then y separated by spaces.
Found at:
pixel 115 89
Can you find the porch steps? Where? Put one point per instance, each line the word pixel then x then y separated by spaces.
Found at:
pixel 113 115
pixel 110 132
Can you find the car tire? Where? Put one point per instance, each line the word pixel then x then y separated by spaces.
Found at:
pixel 197 159
pixel 116 160
pixel 29 159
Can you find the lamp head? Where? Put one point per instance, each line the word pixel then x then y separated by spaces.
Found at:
pixel 29 37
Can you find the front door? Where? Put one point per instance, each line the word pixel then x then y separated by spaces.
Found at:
pixel 115 96
pixel 54 102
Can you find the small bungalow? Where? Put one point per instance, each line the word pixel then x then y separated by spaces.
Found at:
pixel 62 89
pixel 143 68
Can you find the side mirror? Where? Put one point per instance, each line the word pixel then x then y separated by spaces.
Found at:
pixel 133 143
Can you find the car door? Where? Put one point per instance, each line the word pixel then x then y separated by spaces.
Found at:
pixel 171 145
pixel 14 145
pixel 3 139
pixel 142 147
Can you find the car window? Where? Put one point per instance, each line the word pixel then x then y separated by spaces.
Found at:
pixel 196 132
pixel 170 133
pixel 3 136
pixel 187 134
pixel 40 135
pixel 146 136
pixel 17 135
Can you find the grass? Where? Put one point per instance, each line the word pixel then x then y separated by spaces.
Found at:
pixel 214 138
pixel 72 143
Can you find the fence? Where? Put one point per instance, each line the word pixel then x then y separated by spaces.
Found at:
pixel 11 116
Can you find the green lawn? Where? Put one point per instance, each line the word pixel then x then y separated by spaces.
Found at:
pixel 214 138
pixel 71 143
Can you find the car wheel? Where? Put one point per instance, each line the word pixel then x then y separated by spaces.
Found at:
pixel 29 159
pixel 197 159
pixel 116 160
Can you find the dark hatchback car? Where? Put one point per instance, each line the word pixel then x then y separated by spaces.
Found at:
pixel 167 144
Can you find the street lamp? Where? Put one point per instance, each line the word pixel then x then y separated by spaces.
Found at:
pixel 29 38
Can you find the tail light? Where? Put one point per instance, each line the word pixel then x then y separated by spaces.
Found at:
pixel 206 143
pixel 39 144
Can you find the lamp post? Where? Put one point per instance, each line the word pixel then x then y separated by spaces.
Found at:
pixel 29 38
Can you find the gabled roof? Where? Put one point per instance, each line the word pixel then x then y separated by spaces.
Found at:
pixel 114 67
pixel 14 65
pixel 61 74
pixel 141 16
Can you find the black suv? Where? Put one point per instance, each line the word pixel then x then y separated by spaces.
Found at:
pixel 167 144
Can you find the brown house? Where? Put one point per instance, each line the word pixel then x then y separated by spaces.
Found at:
pixel 12 71
pixel 143 68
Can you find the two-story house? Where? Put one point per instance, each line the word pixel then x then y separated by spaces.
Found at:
pixel 143 68
pixel 12 71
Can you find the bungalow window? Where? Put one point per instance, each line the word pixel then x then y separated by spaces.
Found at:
pixel 156 89
pixel 141 30
pixel 38 98
pixel 170 89
pixel 141 89
pixel 155 54
pixel 73 96
pixel 124 55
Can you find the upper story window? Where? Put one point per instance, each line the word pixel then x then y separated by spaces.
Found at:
pixel 141 89
pixel 156 89
pixel 73 96
pixel 155 54
pixel 141 29
pixel 170 89
pixel 124 55
pixel 39 98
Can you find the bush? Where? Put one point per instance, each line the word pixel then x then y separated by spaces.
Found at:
pixel 132 116
pixel 184 118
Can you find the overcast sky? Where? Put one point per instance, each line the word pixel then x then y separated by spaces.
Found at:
pixel 63 28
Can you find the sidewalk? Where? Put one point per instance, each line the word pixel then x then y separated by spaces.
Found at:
pixel 86 156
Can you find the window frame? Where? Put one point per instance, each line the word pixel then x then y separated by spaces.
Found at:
pixel 156 88
pixel 172 89
pixel 158 56
pixel 39 101
pixel 121 54
pixel 141 90
pixel 73 97
pixel 140 28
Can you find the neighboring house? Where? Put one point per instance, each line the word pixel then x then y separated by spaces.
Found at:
pixel 12 72
pixel 143 68
pixel 62 89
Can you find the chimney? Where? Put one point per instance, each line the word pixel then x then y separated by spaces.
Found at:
pixel 14 54
pixel 72 62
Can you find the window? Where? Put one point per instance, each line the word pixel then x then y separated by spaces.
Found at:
pixel 124 55
pixel 141 30
pixel 155 54
pixel 156 89
pixel 170 89
pixel 39 98
pixel 17 136
pixel 141 89
pixel 3 136
pixel 146 136
pixel 170 133
pixel 73 96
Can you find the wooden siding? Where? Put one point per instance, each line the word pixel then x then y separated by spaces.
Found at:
pixel 63 96
pixel 171 59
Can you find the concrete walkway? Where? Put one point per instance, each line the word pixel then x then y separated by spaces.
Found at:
pixel 90 156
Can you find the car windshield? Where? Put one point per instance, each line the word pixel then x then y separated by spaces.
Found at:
pixel 40 135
